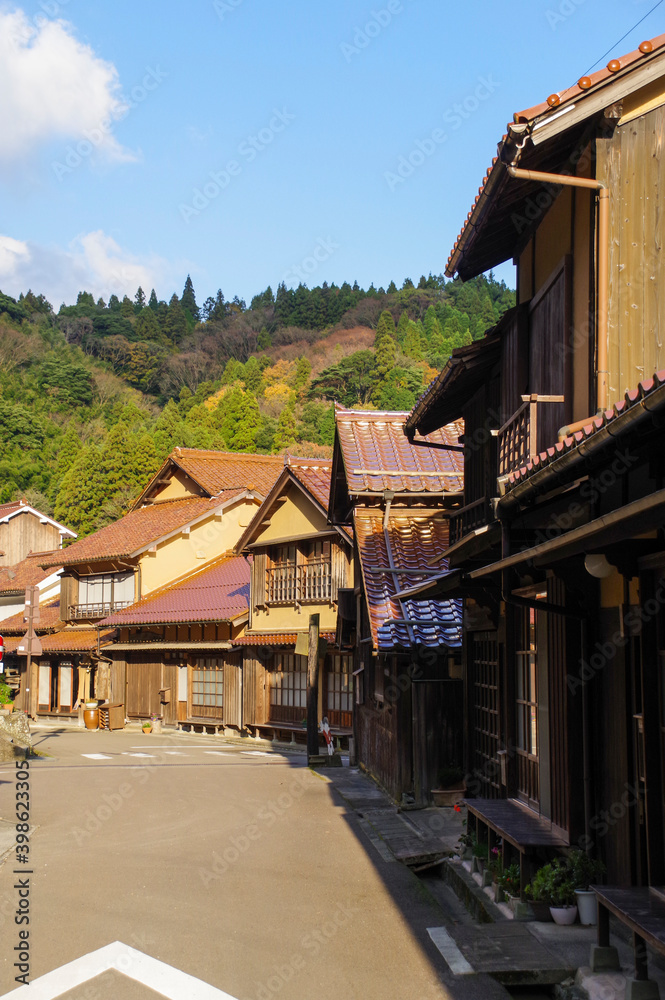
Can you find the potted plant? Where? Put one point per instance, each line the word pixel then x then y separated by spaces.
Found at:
pixel 451 788
pixel 583 872
pixel 465 844
pixel 146 727
pixel 537 894
pixel 561 890
pixel 6 700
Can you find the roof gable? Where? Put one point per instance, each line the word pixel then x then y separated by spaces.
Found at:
pixel 304 484
pixel 372 456
pixel 208 473
pixel 545 138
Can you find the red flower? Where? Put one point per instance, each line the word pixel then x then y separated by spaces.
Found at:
pixel 458 808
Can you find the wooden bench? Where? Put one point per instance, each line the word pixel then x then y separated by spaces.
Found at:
pixel 518 826
pixel 642 910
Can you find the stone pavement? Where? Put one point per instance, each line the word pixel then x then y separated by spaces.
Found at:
pixel 515 953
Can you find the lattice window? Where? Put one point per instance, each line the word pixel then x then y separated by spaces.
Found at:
pixel 208 687
pixel 486 731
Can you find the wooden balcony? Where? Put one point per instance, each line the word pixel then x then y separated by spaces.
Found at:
pixel 99 610
pixel 292 584
pixel 520 437
pixel 466 519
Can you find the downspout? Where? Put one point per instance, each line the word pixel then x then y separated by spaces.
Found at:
pixel 602 324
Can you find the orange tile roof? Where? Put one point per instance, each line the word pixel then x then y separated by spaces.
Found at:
pixel 412 540
pixel 378 456
pixel 49 618
pixel 69 640
pixel 650 389
pixel 314 476
pixel 28 573
pixel 555 105
pixel 136 530
pixel 276 638
pixel 219 592
pixel 223 470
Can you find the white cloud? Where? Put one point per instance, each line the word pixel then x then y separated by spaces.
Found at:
pixel 54 87
pixel 93 262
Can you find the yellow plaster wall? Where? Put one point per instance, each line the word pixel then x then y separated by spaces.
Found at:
pixel 180 486
pixel 289 619
pixel 181 554
pixel 644 100
pixel 295 516
pixel 583 312
pixel 552 241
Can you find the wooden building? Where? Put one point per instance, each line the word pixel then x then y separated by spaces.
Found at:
pixel 24 530
pixel 173 653
pixel 559 548
pixel 189 516
pixel 299 566
pixel 398 496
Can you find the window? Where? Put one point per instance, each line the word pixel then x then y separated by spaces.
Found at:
pixel 300 573
pixel 288 687
pixel 282 575
pixel 208 687
pixel 316 571
pixel 101 594
pixel 339 693
pixel 526 690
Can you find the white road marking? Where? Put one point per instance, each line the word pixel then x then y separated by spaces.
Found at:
pixel 125 754
pixel 219 753
pixel 97 756
pixel 176 753
pixel 190 746
pixel 256 753
pixel 455 960
pixel 158 976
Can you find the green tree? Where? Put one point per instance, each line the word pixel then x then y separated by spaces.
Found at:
pixel 139 300
pixel 82 492
pixel 175 325
pixel 188 303
pixel 241 419
pixel 127 307
pixel 153 302
pixel 285 436
pixel 146 326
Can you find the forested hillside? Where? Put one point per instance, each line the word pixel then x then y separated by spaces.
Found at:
pixel 93 397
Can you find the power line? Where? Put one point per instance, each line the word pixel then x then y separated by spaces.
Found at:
pixel 610 50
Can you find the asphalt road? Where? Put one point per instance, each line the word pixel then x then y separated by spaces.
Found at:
pixel 235 866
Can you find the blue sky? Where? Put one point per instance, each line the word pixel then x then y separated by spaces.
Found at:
pixel 248 142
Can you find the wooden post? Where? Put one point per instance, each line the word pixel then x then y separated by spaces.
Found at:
pixel 32 677
pixel 313 687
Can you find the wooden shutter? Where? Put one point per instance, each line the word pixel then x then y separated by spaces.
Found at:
pixel 259 580
pixel 339 568
pixel 69 595
pixel 233 690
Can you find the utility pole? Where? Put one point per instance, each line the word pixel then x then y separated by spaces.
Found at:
pixel 31 646
pixel 313 687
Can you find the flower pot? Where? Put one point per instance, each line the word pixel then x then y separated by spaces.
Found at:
pixel 91 718
pixel 448 796
pixel 564 915
pixel 146 730
pixel 587 906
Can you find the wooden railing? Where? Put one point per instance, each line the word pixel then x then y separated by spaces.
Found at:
pixel 309 582
pixel 466 519
pixel 96 610
pixel 518 438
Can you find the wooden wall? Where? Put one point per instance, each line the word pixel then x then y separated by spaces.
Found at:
pixel 254 690
pixel 630 164
pixel 25 533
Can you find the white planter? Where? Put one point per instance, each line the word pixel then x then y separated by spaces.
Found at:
pixel 587 905
pixel 563 914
